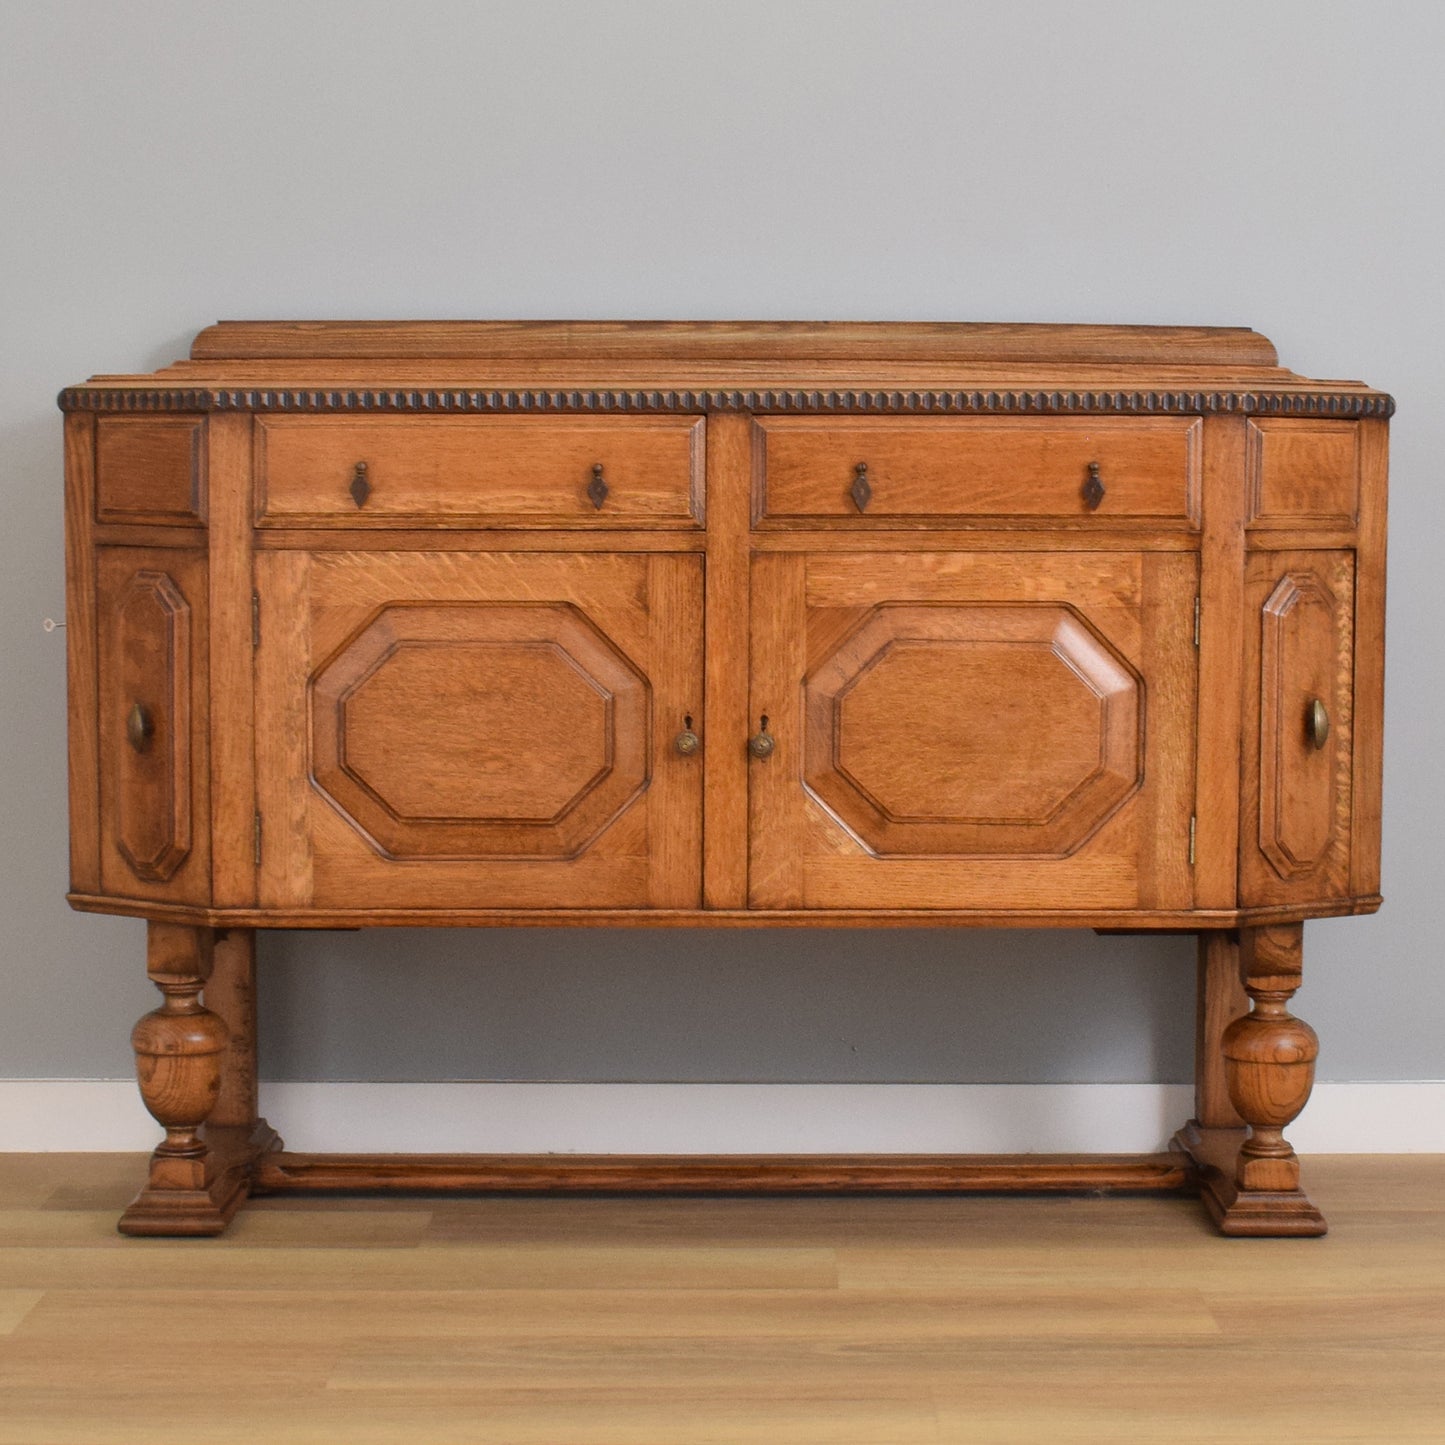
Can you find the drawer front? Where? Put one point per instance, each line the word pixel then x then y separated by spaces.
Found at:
pixel 1303 473
pixel 149 469
pixel 479 471
pixel 911 471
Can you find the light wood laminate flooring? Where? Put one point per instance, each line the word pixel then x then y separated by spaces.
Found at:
pixel 570 1321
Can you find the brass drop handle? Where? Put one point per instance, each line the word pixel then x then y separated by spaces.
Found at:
pixel 762 742
pixel 360 487
pixel 140 727
pixel 1317 723
pixel 1093 488
pixel 687 742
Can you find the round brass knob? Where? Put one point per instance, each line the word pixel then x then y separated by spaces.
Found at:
pixel 140 727
pixel 762 742
pixel 1317 723
pixel 687 742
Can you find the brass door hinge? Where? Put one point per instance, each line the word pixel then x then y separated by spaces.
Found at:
pixel 1196 619
pixel 258 838
pixel 1193 828
pixel 255 619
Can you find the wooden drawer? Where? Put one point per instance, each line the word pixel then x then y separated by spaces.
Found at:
pixel 148 469
pixel 479 471
pixel 1303 473
pixel 919 470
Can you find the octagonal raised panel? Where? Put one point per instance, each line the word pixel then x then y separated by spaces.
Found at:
pixel 479 730
pixel 973 729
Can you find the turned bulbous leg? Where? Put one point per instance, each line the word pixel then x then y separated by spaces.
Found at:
pixel 1270 1068
pixel 1249 1179
pixel 178 1050
pixel 197 1074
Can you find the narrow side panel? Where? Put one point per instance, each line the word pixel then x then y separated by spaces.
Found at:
pixel 1369 658
pixel 80 648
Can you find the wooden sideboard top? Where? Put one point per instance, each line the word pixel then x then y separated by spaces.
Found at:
pixel 947 368
pixel 853 341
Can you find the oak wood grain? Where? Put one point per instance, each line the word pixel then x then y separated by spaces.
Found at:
pixel 153 723
pixel 535 791
pixel 1221 1000
pixel 232 663
pixel 150 469
pixel 963 467
pixel 1369 675
pixel 1303 471
pixel 828 812
pixel 736 1173
pixel 726 661
pixel 82 654
pixel 1122 920
pixel 1296 796
pixel 853 341
pixel 230 994
pixel 1008 598
pixel 1221 685
pixel 473 471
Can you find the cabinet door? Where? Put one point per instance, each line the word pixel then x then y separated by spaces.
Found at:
pixel 980 730
pixel 154 795
pixel 1298 727
pixel 452 730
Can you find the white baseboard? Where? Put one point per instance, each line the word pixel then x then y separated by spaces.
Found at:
pixel 1342 1118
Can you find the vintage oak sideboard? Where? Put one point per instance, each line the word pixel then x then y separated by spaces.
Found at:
pixel 723 624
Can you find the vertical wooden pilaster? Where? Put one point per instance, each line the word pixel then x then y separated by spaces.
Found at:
pixel 1221 684
pixel 725 760
pixel 233 767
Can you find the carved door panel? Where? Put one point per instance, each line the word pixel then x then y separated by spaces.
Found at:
pixel 478 730
pixel 152 723
pixel 1298 727
pixel 982 730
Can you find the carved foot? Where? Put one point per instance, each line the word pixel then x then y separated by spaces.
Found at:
pixel 1262 1213
pixel 200 1196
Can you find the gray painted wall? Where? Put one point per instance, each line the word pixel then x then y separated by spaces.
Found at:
pixel 163 164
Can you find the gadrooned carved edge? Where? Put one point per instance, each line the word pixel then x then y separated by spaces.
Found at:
pixel 1346 405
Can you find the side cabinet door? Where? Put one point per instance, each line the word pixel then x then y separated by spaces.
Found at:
pixel 478 730
pixel 151 687
pixel 1298 727
pixel 979 731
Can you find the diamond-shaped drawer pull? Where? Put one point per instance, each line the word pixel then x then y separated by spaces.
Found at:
pixel 1093 488
pixel 360 487
pixel 861 491
pixel 597 489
